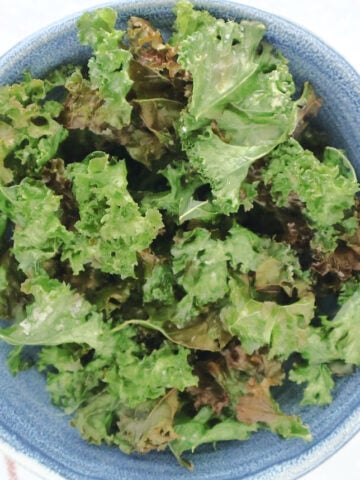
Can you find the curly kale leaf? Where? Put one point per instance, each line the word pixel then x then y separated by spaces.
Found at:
pixel 205 427
pixel 101 388
pixel 179 200
pixel 251 405
pixel 201 265
pixel 275 263
pixel 169 368
pixel 159 285
pixel 188 21
pixel 108 67
pixel 336 342
pixel 30 134
pixel 284 328
pixel 241 104
pixel 326 189
pixel 38 233
pixel 111 229
pixel 57 315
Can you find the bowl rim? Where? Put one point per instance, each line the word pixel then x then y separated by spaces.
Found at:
pixel 38 462
pixel 29 40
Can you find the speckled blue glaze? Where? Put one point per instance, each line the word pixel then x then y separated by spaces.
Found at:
pixel 33 426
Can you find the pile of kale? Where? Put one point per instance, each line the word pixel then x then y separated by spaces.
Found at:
pixel 174 232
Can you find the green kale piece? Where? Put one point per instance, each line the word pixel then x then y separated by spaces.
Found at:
pixel 38 232
pixel 30 134
pixel 111 229
pixel 234 400
pixel 101 388
pixel 334 341
pixel 200 267
pixel 188 21
pixel 283 328
pixel 159 285
pixel 133 379
pixel 241 104
pixel 325 189
pixel 205 427
pixel 57 315
pixel 108 67
pixel 179 201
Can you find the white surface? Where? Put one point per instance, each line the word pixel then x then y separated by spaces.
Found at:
pixel 335 21
pixel 16 466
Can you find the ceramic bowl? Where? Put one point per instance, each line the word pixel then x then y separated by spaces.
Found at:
pixel 28 421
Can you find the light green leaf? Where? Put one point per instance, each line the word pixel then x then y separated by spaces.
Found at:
pixel 111 229
pixel 200 267
pixel 133 380
pixel 241 105
pixel 188 21
pixel 344 330
pixel 319 383
pixel 200 429
pixel 159 285
pixel 30 135
pixel 284 328
pixel 179 201
pixel 37 236
pixel 57 315
pixel 108 67
pixel 223 165
pixel 327 194
pixel 221 57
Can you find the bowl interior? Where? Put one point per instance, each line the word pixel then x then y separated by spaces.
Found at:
pixel 32 425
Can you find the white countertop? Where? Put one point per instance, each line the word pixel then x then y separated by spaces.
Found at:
pixel 335 21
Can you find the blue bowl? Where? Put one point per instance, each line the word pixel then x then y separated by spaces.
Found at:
pixel 28 421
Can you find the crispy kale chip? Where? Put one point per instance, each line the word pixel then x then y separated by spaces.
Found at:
pixel 266 323
pixel 133 91
pixel 110 404
pixel 330 349
pixel 30 134
pixel 57 315
pixel 326 189
pixel 233 400
pixel 38 234
pixel 241 103
pixel 111 229
pixel 108 67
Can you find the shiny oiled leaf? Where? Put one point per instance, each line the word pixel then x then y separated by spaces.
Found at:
pixel 108 68
pixel 203 334
pixel 258 406
pixel 57 315
pixel 30 134
pixel 37 237
pixel 285 328
pixel 111 229
pixel 241 105
pixel 326 190
pixel 149 429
